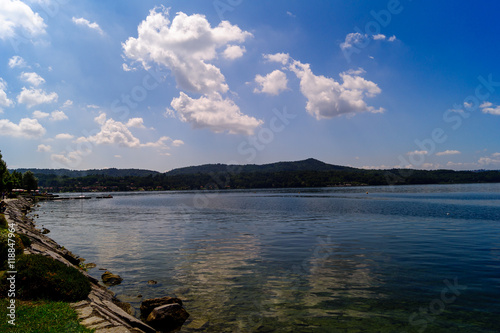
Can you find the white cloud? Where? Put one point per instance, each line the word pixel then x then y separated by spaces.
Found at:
pixel 32 78
pixel 58 115
pixel 215 113
pixel 135 122
pixel 448 152
pixel 185 45
pixel 234 52
pixel 177 143
pixel 67 104
pixel 118 133
pixel 327 98
pixel 17 19
pixel 492 160
pixel 28 128
pixel 283 58
pixel 273 83
pixel 4 100
pixel 290 14
pixel 32 97
pixel 17 61
pixel 84 22
pixel 351 39
pixel 488 107
pixel 64 136
pixel 417 152
pixel 44 148
pixel 379 37
pixel 40 115
pixel 357 39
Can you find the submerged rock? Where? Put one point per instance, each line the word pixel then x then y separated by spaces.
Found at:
pixel 151 282
pixel 111 279
pixel 167 317
pixel 149 304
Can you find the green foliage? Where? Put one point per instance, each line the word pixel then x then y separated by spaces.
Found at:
pixel 30 183
pixel 4 246
pixel 25 239
pixel 41 316
pixel 3 222
pixel 45 278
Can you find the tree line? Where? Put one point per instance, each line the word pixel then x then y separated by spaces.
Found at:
pixel 16 180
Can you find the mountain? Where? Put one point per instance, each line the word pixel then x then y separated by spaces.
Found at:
pixel 309 164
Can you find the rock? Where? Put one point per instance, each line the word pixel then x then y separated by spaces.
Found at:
pixel 111 279
pixel 150 282
pixel 149 304
pixel 167 317
pixel 90 265
pixel 45 231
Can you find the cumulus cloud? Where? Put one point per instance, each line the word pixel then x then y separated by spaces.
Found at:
pixel 185 45
pixel 40 115
pixel 448 152
pixel 352 39
pixel 118 133
pixel 4 100
pixel 492 160
pixel 32 78
pixel 27 128
pixel 17 18
pixel 356 39
pixel 488 107
pixel 273 83
pixel 67 104
pixel 64 136
pixel 234 52
pixel 327 98
pixel 58 115
pixel 17 61
pixel 283 58
pixel 86 23
pixel 32 97
pixel 44 148
pixel 417 152
pixel 215 113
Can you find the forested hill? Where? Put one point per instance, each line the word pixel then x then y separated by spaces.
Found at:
pixel 310 164
pixel 306 173
pixel 111 172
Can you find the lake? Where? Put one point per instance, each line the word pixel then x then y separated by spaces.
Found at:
pixel 351 259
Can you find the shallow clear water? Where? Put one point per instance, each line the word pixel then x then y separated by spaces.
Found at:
pixel 395 259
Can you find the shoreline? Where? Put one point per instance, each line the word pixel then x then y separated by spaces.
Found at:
pixel 101 310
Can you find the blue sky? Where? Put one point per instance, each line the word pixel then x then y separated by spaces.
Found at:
pixel 165 84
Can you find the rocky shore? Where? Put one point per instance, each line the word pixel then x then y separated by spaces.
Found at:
pixel 101 310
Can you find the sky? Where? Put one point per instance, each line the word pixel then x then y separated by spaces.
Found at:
pixel 165 84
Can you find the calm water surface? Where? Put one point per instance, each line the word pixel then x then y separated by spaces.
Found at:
pixel 395 259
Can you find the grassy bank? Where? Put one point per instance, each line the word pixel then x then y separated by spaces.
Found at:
pixel 41 316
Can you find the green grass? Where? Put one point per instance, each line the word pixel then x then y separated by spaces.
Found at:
pixel 41 317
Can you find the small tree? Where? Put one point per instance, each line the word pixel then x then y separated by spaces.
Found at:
pixel 4 174
pixel 30 183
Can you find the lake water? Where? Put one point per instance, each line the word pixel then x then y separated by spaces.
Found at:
pixel 395 259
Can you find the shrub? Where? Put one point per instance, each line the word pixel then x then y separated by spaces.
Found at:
pixel 42 277
pixel 4 247
pixel 3 222
pixel 25 239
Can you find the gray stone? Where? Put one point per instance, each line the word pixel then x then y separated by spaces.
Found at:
pixel 167 317
pixel 111 279
pixel 149 304
pixel 84 312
